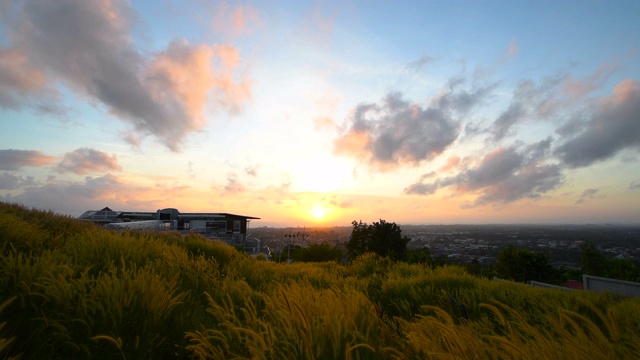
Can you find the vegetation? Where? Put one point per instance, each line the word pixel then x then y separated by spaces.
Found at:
pixel 597 264
pixel 382 238
pixel 317 253
pixel 419 256
pixel 69 289
pixel 524 265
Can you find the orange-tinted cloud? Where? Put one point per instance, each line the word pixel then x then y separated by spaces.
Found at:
pixel 322 123
pixel 92 193
pixel 395 132
pixel 12 159
pixel 452 163
pixel 180 78
pixel 353 143
pixel 235 20
pixel 579 88
pixel 86 161
pixel 513 49
pixel 17 72
pixel 21 83
pixel 88 47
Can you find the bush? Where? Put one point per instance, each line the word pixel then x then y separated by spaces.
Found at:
pixel 93 293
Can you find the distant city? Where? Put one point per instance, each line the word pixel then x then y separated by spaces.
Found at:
pixel 464 243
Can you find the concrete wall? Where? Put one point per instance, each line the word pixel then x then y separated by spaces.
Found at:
pixel 600 284
pixel 546 285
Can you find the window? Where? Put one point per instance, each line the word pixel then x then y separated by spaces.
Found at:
pixel 236 226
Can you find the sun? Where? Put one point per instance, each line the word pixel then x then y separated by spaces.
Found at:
pixel 318 212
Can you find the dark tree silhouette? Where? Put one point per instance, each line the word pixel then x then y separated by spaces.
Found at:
pixel 524 265
pixel 317 253
pixel 597 264
pixel 420 256
pixel 593 261
pixel 382 238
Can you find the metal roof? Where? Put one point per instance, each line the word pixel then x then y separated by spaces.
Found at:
pixel 108 213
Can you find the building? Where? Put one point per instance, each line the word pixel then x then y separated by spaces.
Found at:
pixel 230 228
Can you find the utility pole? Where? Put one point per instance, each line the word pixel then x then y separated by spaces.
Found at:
pixel 290 237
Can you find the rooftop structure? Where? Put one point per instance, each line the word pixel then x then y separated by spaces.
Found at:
pixel 230 228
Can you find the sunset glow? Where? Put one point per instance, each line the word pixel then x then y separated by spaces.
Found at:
pixel 318 212
pixel 324 112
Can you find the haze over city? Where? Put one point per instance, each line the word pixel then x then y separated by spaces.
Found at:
pixel 320 113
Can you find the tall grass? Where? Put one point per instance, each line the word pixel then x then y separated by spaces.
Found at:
pixel 69 289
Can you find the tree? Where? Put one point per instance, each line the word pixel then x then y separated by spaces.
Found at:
pixel 524 265
pixel 597 264
pixel 593 261
pixel 419 256
pixel 317 253
pixel 474 267
pixel 382 238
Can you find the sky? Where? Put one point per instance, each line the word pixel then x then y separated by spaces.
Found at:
pixel 309 113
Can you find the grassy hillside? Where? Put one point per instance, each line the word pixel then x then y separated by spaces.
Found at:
pixel 72 290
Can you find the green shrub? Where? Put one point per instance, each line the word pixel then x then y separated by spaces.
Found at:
pixel 69 289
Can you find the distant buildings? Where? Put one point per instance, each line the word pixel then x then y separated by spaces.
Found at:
pixel 230 228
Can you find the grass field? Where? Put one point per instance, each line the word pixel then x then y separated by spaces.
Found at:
pixel 69 289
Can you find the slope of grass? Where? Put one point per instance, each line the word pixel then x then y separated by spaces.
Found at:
pixel 69 289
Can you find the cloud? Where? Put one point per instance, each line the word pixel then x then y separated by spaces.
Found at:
pixel 634 185
pixel 417 65
pixel 548 98
pixel 579 88
pixel 396 132
pixel 251 170
pixel 233 185
pixel 514 113
pixel 10 181
pixel 452 163
pixel 11 159
pixel 344 204
pixel 132 139
pixel 75 197
pixel 181 80
pixel 513 49
pixel 611 126
pixel 322 123
pixel 318 24
pixel 502 176
pixel 459 101
pixel 88 46
pixel 235 21
pixel 23 85
pixel 421 189
pixel 85 161
pixel 589 194
pixel 528 100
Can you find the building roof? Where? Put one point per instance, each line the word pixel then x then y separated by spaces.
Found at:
pixel 106 214
pixel 222 214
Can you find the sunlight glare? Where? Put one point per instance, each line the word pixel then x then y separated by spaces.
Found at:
pixel 318 212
